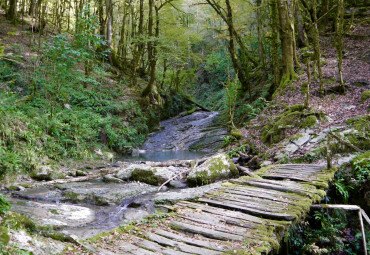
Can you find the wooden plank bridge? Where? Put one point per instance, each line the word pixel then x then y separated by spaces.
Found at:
pixel 248 215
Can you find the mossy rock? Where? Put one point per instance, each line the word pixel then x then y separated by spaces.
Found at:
pixel 236 133
pixel 146 176
pixel 365 96
pixel 294 116
pixel 309 122
pixel 215 168
pixel 297 107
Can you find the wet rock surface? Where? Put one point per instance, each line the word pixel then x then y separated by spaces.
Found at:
pixel 200 131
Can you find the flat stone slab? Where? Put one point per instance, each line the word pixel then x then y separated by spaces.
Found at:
pixel 59 215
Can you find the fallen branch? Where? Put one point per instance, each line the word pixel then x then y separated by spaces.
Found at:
pixel 14 61
pixel 345 142
pixel 245 170
pixel 177 175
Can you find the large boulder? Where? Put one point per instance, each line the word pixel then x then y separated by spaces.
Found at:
pixel 147 174
pixel 215 168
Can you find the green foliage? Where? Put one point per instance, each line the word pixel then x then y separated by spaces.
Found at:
pixel 4 206
pixel 61 111
pixel 246 112
pixel 333 232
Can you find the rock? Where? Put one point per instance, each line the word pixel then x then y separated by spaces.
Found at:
pixel 147 174
pixel 36 244
pixel 103 193
pixel 80 173
pixel 199 131
pixel 58 215
pixel 291 148
pixel 185 194
pixel 328 119
pixel 215 168
pixel 118 164
pixel 304 138
pixel 266 163
pixel 42 173
pixel 345 160
pixel 110 178
pixel 178 184
pixel 349 107
pixel 108 155
pixel 318 138
pixel 135 214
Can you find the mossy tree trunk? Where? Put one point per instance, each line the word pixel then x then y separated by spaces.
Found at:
pixel 306 87
pixel 287 41
pixel 316 45
pixel 275 42
pixel 339 40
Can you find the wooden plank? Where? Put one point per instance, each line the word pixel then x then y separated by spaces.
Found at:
pixel 269 215
pixel 225 219
pixel 210 233
pixel 244 198
pixel 275 193
pixel 276 187
pixel 259 195
pixel 283 177
pixel 149 245
pixel 212 244
pixel 250 204
pixel 202 222
pixel 181 246
pixel 220 211
pixel 132 249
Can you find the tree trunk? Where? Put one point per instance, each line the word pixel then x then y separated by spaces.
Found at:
pixel 139 47
pixel 339 40
pixel 259 34
pixel 232 50
pixel 151 53
pixel 12 11
pixel 316 45
pixel 287 42
pixel 275 43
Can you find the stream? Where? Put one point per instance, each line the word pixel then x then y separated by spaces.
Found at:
pixel 85 209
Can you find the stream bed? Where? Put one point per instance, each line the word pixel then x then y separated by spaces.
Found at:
pixel 85 209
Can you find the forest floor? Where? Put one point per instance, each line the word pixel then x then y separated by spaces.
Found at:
pixel 339 108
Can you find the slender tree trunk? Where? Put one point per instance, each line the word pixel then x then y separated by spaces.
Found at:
pixel 275 43
pixel 287 43
pixel 339 40
pixel 139 47
pixel 316 45
pixel 232 49
pixel 259 34
pixel 151 53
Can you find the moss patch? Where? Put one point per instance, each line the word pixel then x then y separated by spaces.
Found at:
pixel 146 176
pixel 308 122
pixel 365 95
pixel 295 116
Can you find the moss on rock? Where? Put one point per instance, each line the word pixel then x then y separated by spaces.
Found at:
pixel 215 168
pixel 308 122
pixel 144 175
